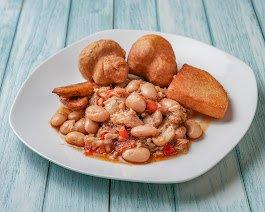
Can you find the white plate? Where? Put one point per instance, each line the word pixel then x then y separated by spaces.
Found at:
pixel 35 104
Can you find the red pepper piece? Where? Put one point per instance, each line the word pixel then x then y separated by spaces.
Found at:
pixel 123 134
pixel 151 106
pixel 102 135
pixel 169 149
pixel 88 152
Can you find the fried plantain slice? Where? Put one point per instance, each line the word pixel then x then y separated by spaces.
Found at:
pixel 75 103
pixel 76 90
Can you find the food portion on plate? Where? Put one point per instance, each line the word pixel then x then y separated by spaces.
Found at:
pixel 135 118
pixel 197 89
pixel 103 62
pixel 153 58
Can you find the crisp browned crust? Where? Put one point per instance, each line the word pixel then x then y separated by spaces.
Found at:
pixel 197 89
pixel 79 89
pixel 104 62
pixel 153 58
pixel 77 103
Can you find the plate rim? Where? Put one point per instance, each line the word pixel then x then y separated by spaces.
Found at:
pixel 112 177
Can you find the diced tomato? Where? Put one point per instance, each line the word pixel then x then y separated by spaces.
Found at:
pixel 151 106
pixel 123 134
pixel 102 135
pixel 111 93
pixel 88 152
pixel 169 149
pixel 101 150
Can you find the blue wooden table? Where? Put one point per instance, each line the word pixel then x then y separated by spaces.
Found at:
pixel 31 30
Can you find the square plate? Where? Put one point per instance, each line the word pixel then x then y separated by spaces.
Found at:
pixel 35 104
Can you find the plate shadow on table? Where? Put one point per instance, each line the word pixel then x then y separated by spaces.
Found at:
pixel 229 113
pixel 201 188
pixel 252 146
pixel 206 186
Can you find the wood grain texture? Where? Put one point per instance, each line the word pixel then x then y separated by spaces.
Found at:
pixel 127 196
pixel 22 172
pixel 221 188
pixel 135 14
pixel 183 18
pixel 235 29
pixel 87 17
pixel 70 191
pixel 9 15
pixel 259 9
pixel 27 183
pixel 80 192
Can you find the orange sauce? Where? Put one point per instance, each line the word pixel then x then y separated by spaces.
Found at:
pixel 203 120
pixel 151 159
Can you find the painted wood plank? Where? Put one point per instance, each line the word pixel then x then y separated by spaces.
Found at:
pixel 40 32
pixel 89 17
pixel 9 15
pixel 127 196
pixel 215 190
pixel 67 190
pixel 235 29
pixel 220 189
pixel 70 191
pixel 135 14
pixel 175 17
pixel 259 9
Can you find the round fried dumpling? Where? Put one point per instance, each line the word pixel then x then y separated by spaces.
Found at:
pixel 153 58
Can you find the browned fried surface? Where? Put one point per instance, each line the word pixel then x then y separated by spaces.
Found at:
pixel 198 90
pixel 104 62
pixel 110 69
pixel 152 57
pixel 75 103
pixel 79 89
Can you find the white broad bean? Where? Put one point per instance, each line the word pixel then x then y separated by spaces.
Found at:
pixel 76 115
pixel 194 130
pixel 165 137
pixel 154 119
pixel 92 141
pixel 63 110
pixel 97 113
pixel 167 104
pixel 136 102
pixel 133 86
pixel 91 126
pixel 182 145
pixel 75 138
pixel 136 155
pixel 80 126
pixel 148 90
pixel 58 119
pixel 144 131
pixel 128 118
pixel 180 132
pixel 157 118
pixel 67 127
pixel 114 104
